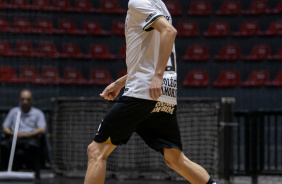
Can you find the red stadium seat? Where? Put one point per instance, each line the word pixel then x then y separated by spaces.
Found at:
pixel 275 28
pixel 200 8
pixel 72 76
pixel 62 5
pixel 48 49
pixel 258 52
pixel 4 4
pixel 94 28
pixel 256 78
pixel 68 27
pixel 277 9
pixel 49 75
pixel 122 52
pixel 227 78
pixel 27 74
pixel 218 29
pixel 7 74
pixel 257 7
pixel 83 6
pixel 19 4
pixel 229 8
pixel 197 53
pixel 122 73
pixel 23 25
pixel 100 77
pixel 111 7
pixel 71 50
pixel 100 51
pixel 196 78
pixel 24 48
pixel 4 25
pixel 45 26
pixel 5 49
pixel 276 57
pixel 118 27
pixel 42 5
pixel 190 29
pixel 228 53
pixel 248 28
pixel 173 7
pixel 276 82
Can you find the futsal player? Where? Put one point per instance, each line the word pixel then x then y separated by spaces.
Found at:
pixel 148 105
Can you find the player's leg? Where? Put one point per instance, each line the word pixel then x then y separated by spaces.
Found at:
pixel 97 162
pixel 191 171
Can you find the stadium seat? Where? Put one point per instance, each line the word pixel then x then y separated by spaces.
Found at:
pixel 25 48
pixel 111 7
pixel 276 57
pixel 258 52
pixel 248 28
pixel 45 26
pixel 276 82
pixel 256 8
pixel 5 49
pixel 196 78
pixel 71 50
pixel 275 28
pixel 27 74
pixel 49 75
pixel 228 53
pixel 276 10
pixel 200 8
pixel 68 27
pixel 48 49
pixel 122 52
pixel 94 28
pixel 72 76
pixel 4 25
pixel 83 6
pixel 197 53
pixel 218 29
pixel 118 27
pixel 42 5
pixel 19 4
pixel 23 25
pixel 256 78
pixel 62 5
pixel 100 51
pixel 190 29
pixel 227 78
pixel 122 73
pixel 173 7
pixel 7 74
pixel 229 8
pixel 4 4
pixel 100 77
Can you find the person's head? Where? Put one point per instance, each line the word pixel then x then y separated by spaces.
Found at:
pixel 26 100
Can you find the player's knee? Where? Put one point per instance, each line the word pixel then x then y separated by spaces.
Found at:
pixel 92 152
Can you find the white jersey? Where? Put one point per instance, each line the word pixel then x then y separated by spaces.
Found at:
pixel 142 52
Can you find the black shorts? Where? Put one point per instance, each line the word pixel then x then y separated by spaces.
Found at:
pixel 155 122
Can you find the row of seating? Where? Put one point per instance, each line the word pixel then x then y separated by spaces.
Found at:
pixel 102 77
pixel 90 27
pixel 69 50
pixel 45 26
pixel 50 75
pixel 106 6
pixel 231 78
pixel 197 52
pixel 201 8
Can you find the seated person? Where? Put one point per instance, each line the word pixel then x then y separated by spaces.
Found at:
pixel 32 126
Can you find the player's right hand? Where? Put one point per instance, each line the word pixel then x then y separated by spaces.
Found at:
pixel 111 91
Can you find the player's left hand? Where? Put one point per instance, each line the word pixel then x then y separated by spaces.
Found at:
pixel 111 91
pixel 155 88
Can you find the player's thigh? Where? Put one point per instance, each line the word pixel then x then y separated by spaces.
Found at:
pixel 100 150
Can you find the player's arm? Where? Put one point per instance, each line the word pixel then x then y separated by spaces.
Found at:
pixel 112 90
pixel 8 131
pixel 167 38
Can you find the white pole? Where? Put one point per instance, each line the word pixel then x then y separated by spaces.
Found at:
pixel 14 140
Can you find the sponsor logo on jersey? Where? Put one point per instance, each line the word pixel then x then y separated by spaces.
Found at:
pixel 150 16
pixel 169 87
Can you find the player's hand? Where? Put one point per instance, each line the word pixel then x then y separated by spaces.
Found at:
pixel 111 91
pixel 22 135
pixel 155 88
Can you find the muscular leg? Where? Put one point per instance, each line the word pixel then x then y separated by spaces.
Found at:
pixel 97 162
pixel 191 171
